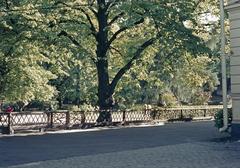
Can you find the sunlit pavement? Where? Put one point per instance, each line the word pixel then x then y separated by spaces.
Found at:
pixel 181 145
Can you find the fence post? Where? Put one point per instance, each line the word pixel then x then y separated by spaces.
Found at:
pixel 10 130
pixel 205 111
pixel 50 119
pixel 124 117
pixel 83 117
pixel 181 114
pixel 67 119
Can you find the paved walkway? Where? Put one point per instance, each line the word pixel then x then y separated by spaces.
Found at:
pixel 183 145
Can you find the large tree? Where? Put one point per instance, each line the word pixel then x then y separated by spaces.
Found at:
pixel 128 29
pixel 115 35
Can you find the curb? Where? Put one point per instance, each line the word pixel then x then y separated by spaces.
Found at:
pixel 143 125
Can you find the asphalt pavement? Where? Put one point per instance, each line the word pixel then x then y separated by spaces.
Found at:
pixel 177 145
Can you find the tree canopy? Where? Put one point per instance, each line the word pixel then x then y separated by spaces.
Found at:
pixel 104 51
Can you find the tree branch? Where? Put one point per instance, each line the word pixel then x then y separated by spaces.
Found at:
pixel 114 36
pixel 73 21
pixel 92 27
pixel 91 2
pixel 75 42
pixel 116 18
pixel 7 4
pixel 113 48
pixel 111 4
pixel 77 22
pixel 125 68
pixel 93 11
pixel 64 33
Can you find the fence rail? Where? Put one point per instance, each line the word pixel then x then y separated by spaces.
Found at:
pixel 66 119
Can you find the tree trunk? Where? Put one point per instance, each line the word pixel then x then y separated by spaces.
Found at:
pixel 104 96
pixel 60 102
pixel 78 99
pixel 105 88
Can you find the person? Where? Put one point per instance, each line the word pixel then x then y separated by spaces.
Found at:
pixel 9 109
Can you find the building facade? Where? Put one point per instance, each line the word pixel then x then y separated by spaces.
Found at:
pixel 233 9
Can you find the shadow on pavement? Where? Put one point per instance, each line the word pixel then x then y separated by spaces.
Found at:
pixel 20 150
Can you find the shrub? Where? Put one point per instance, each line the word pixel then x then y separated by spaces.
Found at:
pixel 83 107
pixel 168 99
pixel 35 104
pixel 200 98
pixel 12 104
pixel 219 118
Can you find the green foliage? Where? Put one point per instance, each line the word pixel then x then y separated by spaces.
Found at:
pixel 48 50
pixel 200 98
pixel 168 99
pixel 83 107
pixel 192 78
pixel 25 77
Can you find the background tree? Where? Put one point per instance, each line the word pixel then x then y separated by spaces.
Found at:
pixel 23 75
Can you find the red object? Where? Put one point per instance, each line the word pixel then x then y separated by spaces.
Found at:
pixel 9 109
